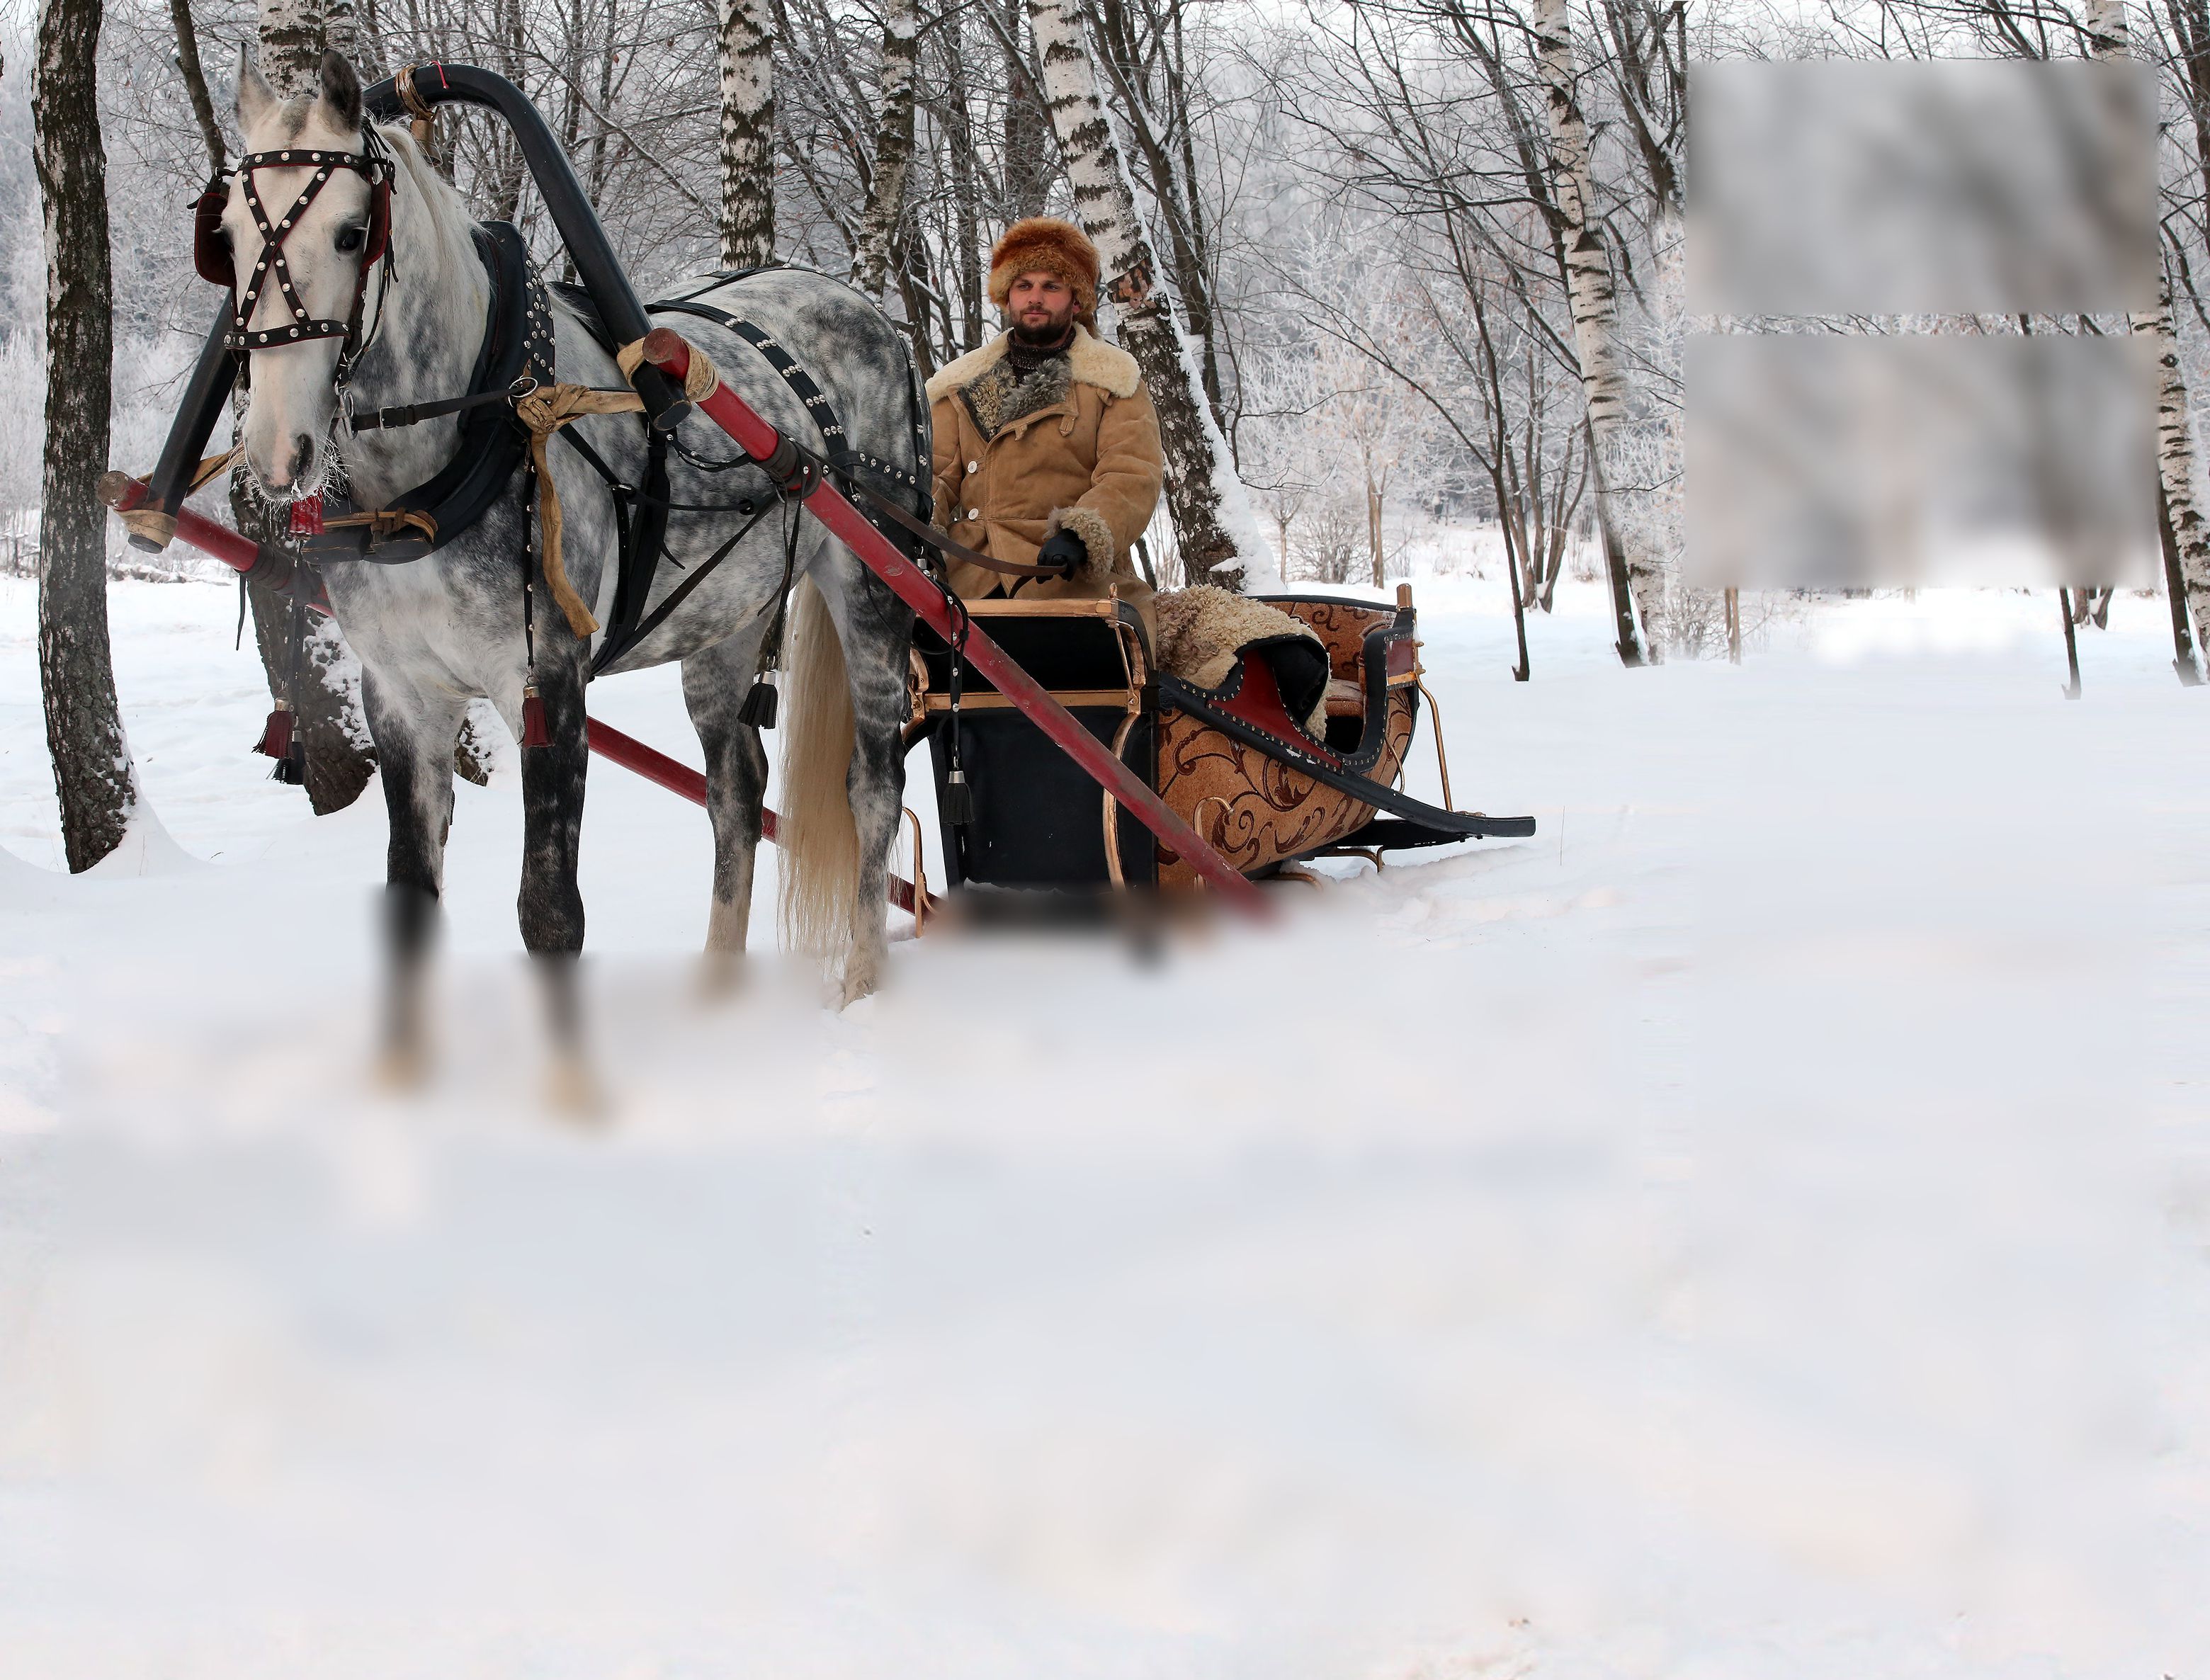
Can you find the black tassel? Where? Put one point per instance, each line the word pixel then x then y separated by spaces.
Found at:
pixel 292 769
pixel 759 706
pixel 958 799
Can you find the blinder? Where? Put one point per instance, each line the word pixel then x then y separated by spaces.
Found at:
pixel 210 245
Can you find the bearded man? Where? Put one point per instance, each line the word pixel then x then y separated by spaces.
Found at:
pixel 1047 446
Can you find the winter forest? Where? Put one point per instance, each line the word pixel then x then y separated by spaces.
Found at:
pixel 1734 1206
pixel 1366 217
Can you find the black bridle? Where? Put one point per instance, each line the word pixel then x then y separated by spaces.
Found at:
pixel 212 257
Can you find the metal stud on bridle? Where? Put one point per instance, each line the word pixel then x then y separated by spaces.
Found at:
pixel 212 257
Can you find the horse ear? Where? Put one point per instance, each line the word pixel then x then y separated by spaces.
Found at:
pixel 341 92
pixel 256 97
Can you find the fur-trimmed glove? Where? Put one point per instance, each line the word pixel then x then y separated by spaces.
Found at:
pixel 1066 551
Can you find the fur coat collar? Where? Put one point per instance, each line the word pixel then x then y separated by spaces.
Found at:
pixel 1092 361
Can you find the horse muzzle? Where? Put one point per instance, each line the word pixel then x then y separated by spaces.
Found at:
pixel 291 468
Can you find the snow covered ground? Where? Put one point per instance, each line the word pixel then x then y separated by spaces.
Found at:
pixel 1756 1228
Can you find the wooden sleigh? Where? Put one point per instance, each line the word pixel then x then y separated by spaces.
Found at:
pixel 1233 761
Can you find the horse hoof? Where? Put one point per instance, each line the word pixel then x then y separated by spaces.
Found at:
pixel 401 1070
pixel 573 1093
pixel 721 975
pixel 861 981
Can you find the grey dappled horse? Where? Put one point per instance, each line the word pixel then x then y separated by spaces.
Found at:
pixel 435 632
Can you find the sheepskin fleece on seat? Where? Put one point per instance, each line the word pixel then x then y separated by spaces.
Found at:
pixel 1200 631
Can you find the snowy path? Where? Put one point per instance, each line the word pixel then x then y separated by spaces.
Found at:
pixel 1755 1229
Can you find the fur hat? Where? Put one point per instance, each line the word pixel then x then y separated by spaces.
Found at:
pixel 1052 246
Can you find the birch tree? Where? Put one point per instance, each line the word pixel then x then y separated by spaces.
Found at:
pixel 1219 538
pixel 93 773
pixel 1595 309
pixel 870 261
pixel 747 58
pixel 2105 21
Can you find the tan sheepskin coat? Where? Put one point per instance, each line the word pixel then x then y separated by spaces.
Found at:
pixel 1090 463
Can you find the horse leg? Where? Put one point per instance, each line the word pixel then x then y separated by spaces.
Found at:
pixel 413 726
pixel 551 905
pixel 876 630
pixel 715 683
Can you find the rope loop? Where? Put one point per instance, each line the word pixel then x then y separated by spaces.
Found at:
pixel 700 381
pixel 544 411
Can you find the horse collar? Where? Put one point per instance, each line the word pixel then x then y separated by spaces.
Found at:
pixel 516 355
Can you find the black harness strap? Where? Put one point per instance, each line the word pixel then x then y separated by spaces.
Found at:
pixel 414 413
pixel 655 618
pixel 938 540
pixel 642 510
pixel 837 442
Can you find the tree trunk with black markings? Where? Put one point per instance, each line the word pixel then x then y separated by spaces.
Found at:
pixel 2107 39
pixel 969 238
pixel 93 773
pixel 1595 311
pixel 1214 527
pixel 1027 129
pixel 893 159
pixel 747 56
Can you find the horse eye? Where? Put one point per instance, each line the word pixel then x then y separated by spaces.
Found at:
pixel 352 239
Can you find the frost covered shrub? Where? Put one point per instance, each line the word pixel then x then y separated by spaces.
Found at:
pixel 1330 543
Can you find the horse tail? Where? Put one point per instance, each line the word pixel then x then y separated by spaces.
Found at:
pixel 819 843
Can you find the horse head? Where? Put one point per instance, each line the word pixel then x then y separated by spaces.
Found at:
pixel 304 224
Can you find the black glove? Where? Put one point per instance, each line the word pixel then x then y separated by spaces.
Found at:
pixel 1066 551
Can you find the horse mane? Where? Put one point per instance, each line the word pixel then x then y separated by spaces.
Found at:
pixel 453 228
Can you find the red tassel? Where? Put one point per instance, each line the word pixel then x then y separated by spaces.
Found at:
pixel 307 519
pixel 534 732
pixel 276 734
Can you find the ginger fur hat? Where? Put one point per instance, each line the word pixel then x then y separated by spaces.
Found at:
pixel 1047 243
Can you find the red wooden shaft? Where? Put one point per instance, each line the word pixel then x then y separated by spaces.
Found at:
pixel 759 439
pixel 238 553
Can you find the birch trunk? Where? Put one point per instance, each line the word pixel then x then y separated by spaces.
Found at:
pixel 1595 311
pixel 1218 536
pixel 2107 41
pixel 326 697
pixel 76 674
pixel 871 262
pixel 747 52
pixel 2175 459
